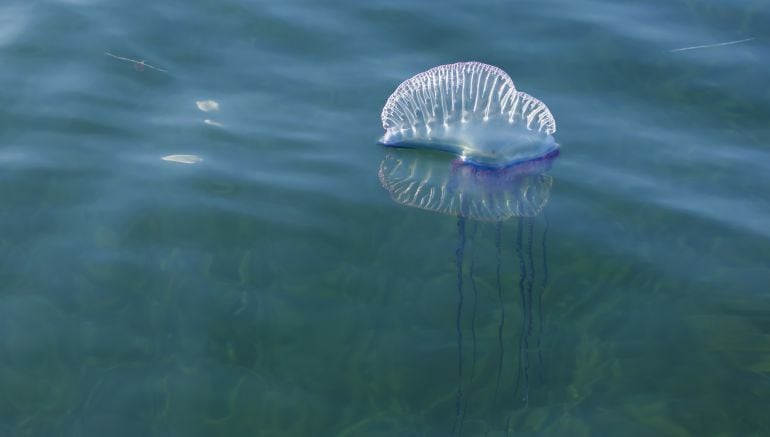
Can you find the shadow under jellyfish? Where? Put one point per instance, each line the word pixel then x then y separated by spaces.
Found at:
pixel 463 141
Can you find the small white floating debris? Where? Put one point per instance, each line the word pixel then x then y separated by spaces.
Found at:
pixel 183 159
pixel 212 123
pixel 708 46
pixel 207 105
pixel 138 65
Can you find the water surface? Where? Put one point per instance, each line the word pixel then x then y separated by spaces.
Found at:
pixel 273 287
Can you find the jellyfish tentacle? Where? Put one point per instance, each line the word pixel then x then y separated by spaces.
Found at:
pixel 472 274
pixel 540 297
pixel 524 304
pixel 501 325
pixel 459 255
pixel 530 285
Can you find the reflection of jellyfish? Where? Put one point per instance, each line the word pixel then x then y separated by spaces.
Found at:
pixel 502 146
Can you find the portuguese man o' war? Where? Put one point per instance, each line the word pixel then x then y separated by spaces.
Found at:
pixel 472 110
pixel 500 148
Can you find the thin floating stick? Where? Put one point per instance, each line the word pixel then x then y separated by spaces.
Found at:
pixel 138 64
pixel 708 46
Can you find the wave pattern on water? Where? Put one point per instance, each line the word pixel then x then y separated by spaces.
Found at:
pixel 274 288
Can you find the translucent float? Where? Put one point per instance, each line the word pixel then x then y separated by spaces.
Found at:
pixel 472 110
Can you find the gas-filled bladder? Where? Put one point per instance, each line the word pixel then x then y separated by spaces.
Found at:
pixel 472 110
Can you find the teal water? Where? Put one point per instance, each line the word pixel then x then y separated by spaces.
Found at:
pixel 275 289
